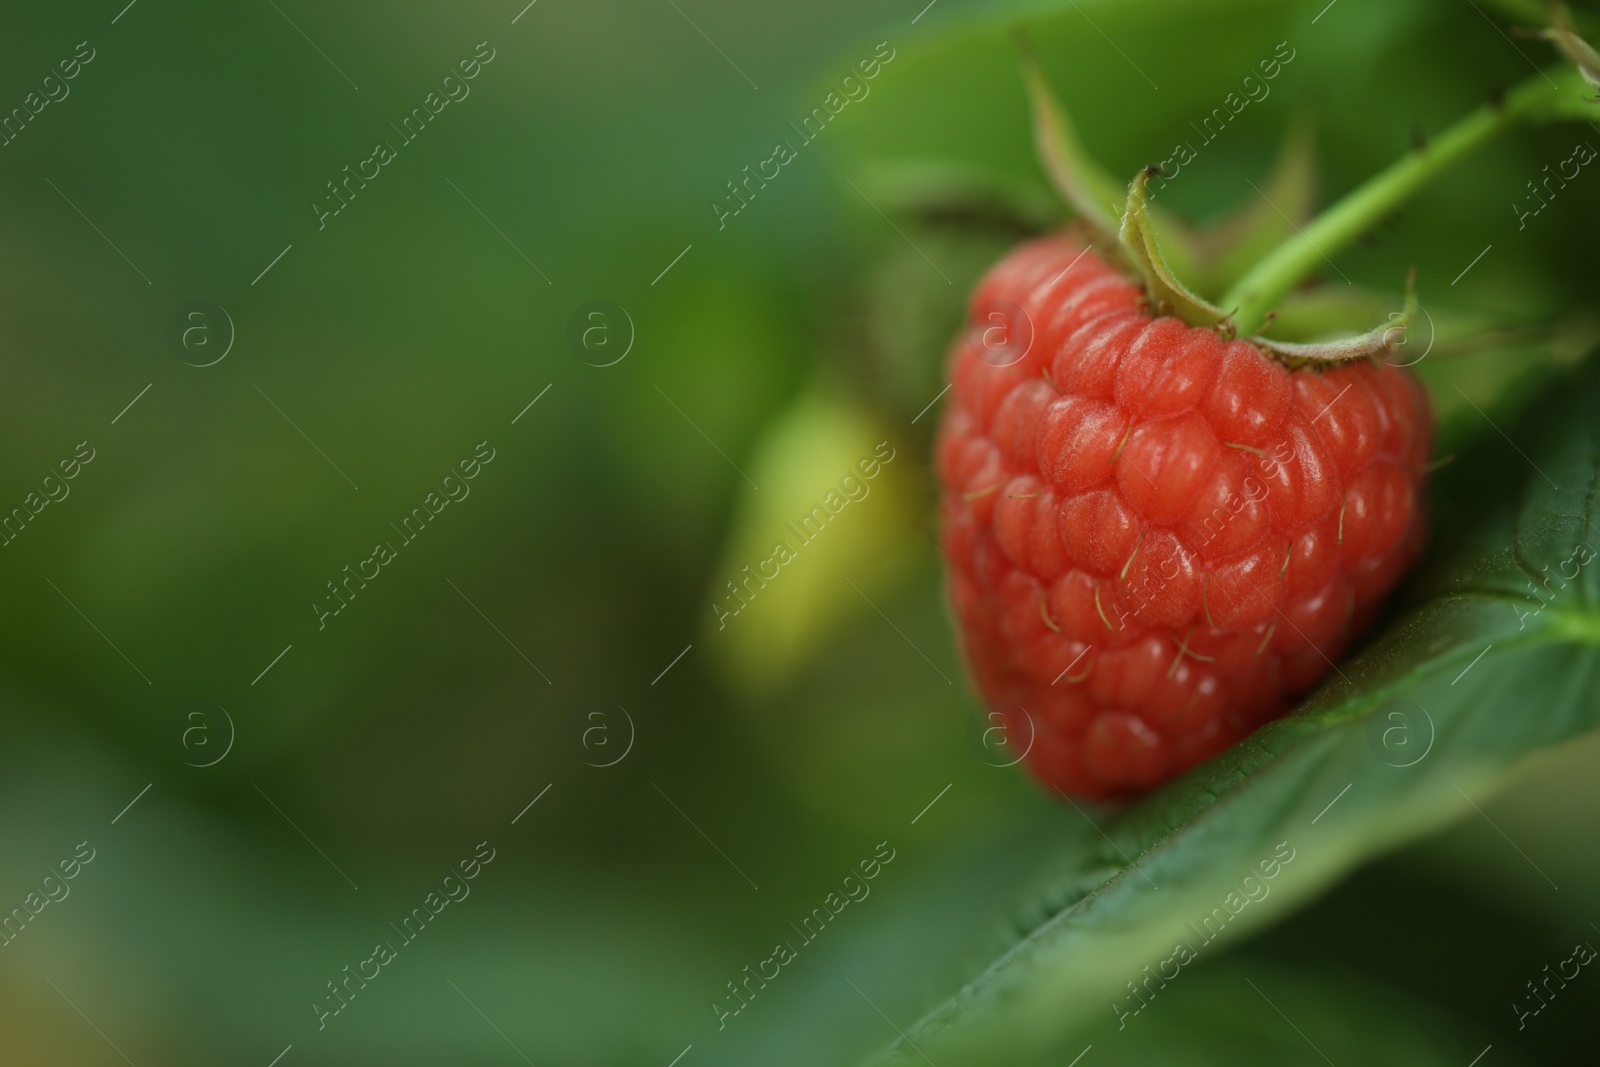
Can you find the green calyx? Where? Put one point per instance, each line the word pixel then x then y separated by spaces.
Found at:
pixel 1168 295
pixel 1568 43
pixel 1088 189
pixel 1077 178
pixel 1236 276
pixel 1376 343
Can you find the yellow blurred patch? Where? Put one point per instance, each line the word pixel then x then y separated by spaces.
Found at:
pixel 831 528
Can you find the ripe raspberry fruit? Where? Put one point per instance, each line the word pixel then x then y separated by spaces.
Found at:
pixel 1158 536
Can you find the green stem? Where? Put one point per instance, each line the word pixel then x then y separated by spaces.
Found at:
pixel 1539 99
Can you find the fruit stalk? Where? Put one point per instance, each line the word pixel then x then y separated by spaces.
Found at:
pixel 1542 98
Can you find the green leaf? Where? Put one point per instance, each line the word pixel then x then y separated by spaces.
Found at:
pixel 1474 365
pixel 1494 659
pixel 1238 1012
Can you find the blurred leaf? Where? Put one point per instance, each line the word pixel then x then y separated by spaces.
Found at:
pixel 1235 244
pixel 1477 367
pixel 960 196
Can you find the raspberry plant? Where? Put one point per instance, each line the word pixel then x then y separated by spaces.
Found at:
pixel 1162 524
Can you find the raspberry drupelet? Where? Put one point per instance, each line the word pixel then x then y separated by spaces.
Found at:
pixel 1157 536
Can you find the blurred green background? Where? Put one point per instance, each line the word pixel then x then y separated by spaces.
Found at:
pixel 552 635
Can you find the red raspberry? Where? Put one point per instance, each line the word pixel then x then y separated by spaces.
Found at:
pixel 1157 536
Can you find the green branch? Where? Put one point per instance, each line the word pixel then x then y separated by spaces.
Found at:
pixel 1543 98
